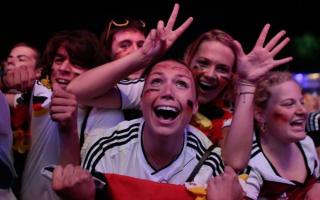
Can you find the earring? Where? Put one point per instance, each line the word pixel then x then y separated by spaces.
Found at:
pixel 263 128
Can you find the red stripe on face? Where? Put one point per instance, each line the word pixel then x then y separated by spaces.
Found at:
pixel 226 78
pixel 147 91
pixel 281 117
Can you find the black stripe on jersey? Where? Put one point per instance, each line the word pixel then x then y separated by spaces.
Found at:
pixel 255 149
pixel 102 149
pixel 246 170
pixel 115 136
pixel 195 143
pixel 129 82
pixel 255 145
pixel 310 120
pixel 313 122
pixel 214 160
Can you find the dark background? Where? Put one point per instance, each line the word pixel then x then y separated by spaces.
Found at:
pixel 36 21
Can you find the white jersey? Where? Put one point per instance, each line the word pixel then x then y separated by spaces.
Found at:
pixel 263 177
pixel 119 150
pixel 130 91
pixel 6 161
pixel 313 122
pixel 45 141
pixel 313 127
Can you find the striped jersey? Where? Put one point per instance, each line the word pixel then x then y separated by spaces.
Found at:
pixel 263 180
pixel 130 92
pixel 313 127
pixel 119 150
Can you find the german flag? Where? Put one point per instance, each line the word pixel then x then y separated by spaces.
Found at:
pixel 37 106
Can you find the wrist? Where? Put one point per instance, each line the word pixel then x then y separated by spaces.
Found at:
pixel 246 82
pixel 245 87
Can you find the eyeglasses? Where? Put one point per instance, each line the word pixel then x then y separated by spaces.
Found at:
pixel 123 23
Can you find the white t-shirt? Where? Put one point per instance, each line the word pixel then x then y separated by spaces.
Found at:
pixel 45 141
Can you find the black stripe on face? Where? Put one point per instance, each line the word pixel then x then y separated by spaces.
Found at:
pixel 190 103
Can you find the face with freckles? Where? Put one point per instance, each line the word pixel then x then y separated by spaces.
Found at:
pixel 212 66
pixel 285 114
pixel 168 99
pixel 63 71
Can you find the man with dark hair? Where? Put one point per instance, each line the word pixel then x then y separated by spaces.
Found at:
pixel 67 55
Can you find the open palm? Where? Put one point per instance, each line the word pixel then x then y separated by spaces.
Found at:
pixel 260 60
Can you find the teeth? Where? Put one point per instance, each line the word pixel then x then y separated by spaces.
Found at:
pixel 206 84
pixel 168 108
pixel 63 81
pixel 166 112
pixel 299 122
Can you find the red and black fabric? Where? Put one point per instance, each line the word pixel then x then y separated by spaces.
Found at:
pixel 120 187
pixel 293 192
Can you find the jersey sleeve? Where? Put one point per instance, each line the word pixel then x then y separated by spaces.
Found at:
pixel 251 182
pixel 130 92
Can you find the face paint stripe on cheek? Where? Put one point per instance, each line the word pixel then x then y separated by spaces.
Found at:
pixel 190 105
pixel 147 91
pixel 280 117
pixel 226 78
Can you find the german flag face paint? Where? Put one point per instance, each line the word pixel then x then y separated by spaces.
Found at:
pixel 212 68
pixel 285 114
pixel 169 98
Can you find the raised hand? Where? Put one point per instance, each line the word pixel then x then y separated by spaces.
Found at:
pixel 167 33
pixel 225 186
pixel 73 183
pixel 260 60
pixel 161 39
pixel 20 78
pixel 63 107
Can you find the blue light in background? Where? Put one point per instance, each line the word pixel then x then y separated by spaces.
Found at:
pixel 299 78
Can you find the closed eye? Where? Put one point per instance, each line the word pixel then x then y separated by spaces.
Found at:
pixel 288 103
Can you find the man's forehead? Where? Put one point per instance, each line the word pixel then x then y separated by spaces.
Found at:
pixel 128 33
pixel 23 50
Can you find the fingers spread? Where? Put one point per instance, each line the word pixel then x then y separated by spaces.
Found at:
pixel 173 17
pixel 184 26
pixel 262 36
pixel 279 47
pixel 275 40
